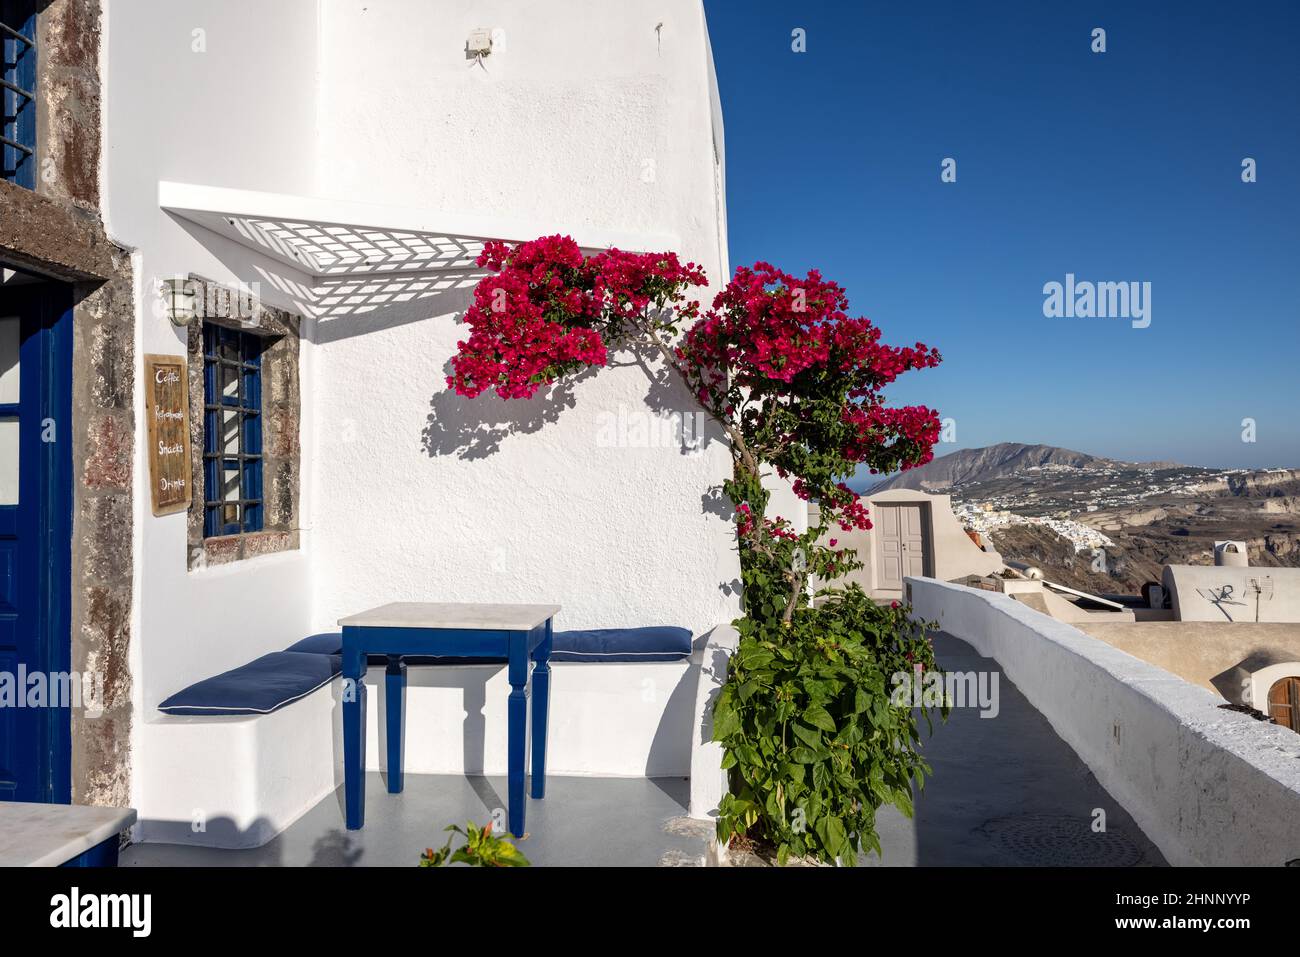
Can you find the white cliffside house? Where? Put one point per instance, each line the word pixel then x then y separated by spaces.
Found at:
pixel 338 168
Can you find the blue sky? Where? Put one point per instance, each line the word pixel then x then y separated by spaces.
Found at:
pixel 1115 166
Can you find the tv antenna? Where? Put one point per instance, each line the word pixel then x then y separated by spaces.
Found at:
pixel 1263 589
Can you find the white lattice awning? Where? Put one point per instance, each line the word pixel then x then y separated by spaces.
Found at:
pixel 329 239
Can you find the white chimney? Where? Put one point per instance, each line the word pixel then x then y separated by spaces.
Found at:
pixel 1231 554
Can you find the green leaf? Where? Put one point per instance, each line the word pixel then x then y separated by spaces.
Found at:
pixel 811 736
pixel 813 806
pixel 834 835
pixel 726 721
pixel 773 805
pixel 870 842
pixel 819 717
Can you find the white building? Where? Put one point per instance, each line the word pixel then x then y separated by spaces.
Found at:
pixel 323 181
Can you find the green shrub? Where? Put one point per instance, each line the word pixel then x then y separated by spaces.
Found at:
pixel 812 741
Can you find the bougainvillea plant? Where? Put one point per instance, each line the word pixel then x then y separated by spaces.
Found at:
pixel 797 386
pixel 792 379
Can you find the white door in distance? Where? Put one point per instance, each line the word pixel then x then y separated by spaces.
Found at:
pixel 900 530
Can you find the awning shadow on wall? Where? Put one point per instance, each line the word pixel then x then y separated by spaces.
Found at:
pixel 343 306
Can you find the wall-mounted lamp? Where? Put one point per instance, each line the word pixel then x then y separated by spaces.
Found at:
pixel 178 297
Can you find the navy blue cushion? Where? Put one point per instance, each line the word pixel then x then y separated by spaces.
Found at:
pixel 259 687
pixel 330 643
pixel 650 643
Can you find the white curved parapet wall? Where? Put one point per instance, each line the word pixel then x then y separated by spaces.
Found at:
pixel 1207 785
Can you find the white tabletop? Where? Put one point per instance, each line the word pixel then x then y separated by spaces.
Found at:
pixel 48 835
pixel 466 615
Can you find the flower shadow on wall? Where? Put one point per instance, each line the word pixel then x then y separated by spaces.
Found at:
pixel 668 397
pixel 475 428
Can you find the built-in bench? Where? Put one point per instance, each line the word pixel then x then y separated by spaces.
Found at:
pixel 280 678
pixel 243 754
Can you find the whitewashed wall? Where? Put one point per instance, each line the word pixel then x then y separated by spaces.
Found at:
pixel 233 105
pixel 1207 786
pixel 592 115
pixel 587 116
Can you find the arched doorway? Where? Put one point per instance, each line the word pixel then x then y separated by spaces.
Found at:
pixel 1284 702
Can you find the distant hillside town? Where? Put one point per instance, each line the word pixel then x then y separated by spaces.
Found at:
pixel 1044 505
pixel 984 518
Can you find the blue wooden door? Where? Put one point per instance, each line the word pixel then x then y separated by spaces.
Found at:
pixel 35 540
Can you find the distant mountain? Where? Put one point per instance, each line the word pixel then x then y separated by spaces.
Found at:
pixel 1004 460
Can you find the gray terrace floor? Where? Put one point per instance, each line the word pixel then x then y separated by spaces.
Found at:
pixel 1005 791
pixel 582 821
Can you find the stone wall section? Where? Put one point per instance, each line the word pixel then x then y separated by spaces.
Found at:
pixel 56 231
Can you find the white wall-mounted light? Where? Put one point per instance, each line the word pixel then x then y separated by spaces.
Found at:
pixel 178 297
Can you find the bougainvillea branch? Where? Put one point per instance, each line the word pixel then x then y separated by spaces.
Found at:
pixel 550 311
pixel 793 380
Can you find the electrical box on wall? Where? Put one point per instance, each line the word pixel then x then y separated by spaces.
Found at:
pixel 479 43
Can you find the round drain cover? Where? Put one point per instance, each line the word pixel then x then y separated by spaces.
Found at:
pixel 1047 840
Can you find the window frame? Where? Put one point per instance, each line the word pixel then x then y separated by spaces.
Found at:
pixel 18 94
pixel 246 404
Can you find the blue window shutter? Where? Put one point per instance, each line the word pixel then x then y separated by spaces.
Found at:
pixel 235 357
pixel 18 102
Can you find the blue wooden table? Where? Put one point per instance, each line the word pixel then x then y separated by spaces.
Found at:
pixel 515 633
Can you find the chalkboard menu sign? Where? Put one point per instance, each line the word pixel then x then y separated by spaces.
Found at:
pixel 167 407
